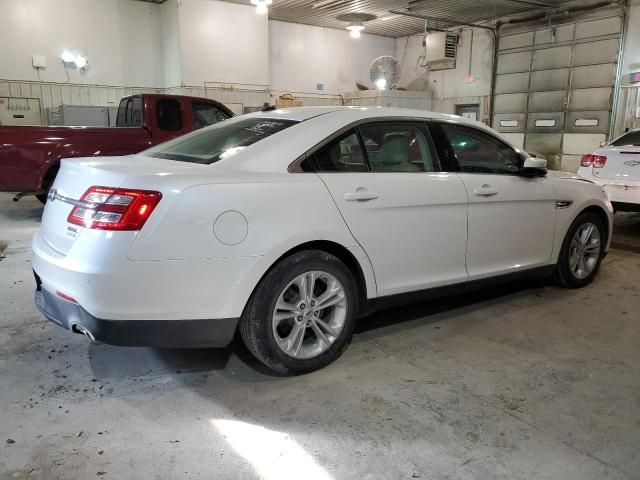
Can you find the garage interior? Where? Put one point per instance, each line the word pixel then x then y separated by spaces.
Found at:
pixel 511 382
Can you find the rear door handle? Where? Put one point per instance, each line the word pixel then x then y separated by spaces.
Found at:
pixel 485 191
pixel 360 195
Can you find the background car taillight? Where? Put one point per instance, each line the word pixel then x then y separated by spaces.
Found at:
pixel 106 208
pixel 595 161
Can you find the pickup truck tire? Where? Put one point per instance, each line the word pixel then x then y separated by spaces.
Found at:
pixel 46 185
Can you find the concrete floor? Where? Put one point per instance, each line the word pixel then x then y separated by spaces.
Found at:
pixel 527 381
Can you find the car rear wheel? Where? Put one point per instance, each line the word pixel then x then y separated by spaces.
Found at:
pixel 582 251
pixel 301 316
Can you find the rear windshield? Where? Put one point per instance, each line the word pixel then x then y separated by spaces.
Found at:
pixel 628 139
pixel 219 141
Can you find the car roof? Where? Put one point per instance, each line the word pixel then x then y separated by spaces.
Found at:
pixel 357 112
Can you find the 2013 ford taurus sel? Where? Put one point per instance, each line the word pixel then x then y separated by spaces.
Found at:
pixel 290 224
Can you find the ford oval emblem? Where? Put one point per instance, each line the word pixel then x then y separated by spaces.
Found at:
pixel 632 163
pixel 51 196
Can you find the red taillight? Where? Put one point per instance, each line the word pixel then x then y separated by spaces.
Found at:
pixel 595 161
pixel 106 208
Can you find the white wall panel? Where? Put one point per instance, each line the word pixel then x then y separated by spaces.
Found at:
pixel 304 56
pixel 120 38
pixel 222 42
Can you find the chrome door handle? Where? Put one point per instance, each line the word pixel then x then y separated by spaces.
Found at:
pixel 360 196
pixel 485 191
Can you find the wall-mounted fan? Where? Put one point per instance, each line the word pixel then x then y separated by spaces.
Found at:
pixel 385 72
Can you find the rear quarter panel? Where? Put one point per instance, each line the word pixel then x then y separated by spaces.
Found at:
pixel 269 217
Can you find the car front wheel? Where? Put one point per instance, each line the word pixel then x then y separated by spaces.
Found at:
pixel 301 316
pixel 582 251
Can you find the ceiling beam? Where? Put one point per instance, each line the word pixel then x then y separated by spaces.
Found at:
pixel 448 21
pixel 531 3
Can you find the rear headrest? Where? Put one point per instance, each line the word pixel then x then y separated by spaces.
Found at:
pixel 395 150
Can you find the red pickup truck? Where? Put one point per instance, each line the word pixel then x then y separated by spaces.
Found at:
pixel 30 156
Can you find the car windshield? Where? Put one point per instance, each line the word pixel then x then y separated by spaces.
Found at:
pixel 219 141
pixel 628 139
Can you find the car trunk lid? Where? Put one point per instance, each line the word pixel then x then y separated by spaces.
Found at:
pixel 623 163
pixel 76 176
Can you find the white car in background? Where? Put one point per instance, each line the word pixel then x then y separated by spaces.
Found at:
pixel 290 224
pixel 616 167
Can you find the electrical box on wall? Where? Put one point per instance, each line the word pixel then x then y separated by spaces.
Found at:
pixel 20 111
pixel 441 49
pixel 39 61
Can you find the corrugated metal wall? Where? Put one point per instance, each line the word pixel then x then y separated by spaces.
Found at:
pixel 236 97
pixel 52 95
pixel 554 87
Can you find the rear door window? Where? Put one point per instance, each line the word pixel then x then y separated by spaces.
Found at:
pixel 169 114
pixel 130 112
pixel 398 147
pixel 343 154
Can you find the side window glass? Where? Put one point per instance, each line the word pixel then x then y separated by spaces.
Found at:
pixel 341 155
pixel 479 152
pixel 204 114
pixel 397 147
pixel 121 118
pixel 135 112
pixel 169 114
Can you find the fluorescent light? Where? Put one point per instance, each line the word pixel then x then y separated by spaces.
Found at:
pixel 381 83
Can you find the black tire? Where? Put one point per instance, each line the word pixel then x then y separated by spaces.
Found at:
pixel 564 274
pixel 46 185
pixel 256 321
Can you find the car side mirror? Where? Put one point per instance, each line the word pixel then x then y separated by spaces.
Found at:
pixel 534 167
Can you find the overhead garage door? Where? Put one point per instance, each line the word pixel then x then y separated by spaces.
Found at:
pixel 554 88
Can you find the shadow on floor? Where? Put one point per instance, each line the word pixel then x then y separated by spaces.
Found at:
pixel 109 361
pixel 626 232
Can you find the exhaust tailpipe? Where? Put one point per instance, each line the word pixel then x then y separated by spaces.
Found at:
pixel 80 329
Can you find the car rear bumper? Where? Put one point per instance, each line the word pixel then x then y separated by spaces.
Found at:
pixel 98 275
pixel 198 333
pixel 621 192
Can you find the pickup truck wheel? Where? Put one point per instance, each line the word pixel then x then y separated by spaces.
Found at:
pixel 46 185
pixel 582 251
pixel 301 316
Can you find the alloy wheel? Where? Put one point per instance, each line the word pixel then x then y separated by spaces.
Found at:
pixel 585 250
pixel 310 314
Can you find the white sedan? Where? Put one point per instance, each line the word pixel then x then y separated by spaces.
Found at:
pixel 616 167
pixel 288 225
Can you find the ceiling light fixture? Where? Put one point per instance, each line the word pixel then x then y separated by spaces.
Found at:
pixel 355 28
pixel 262 6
